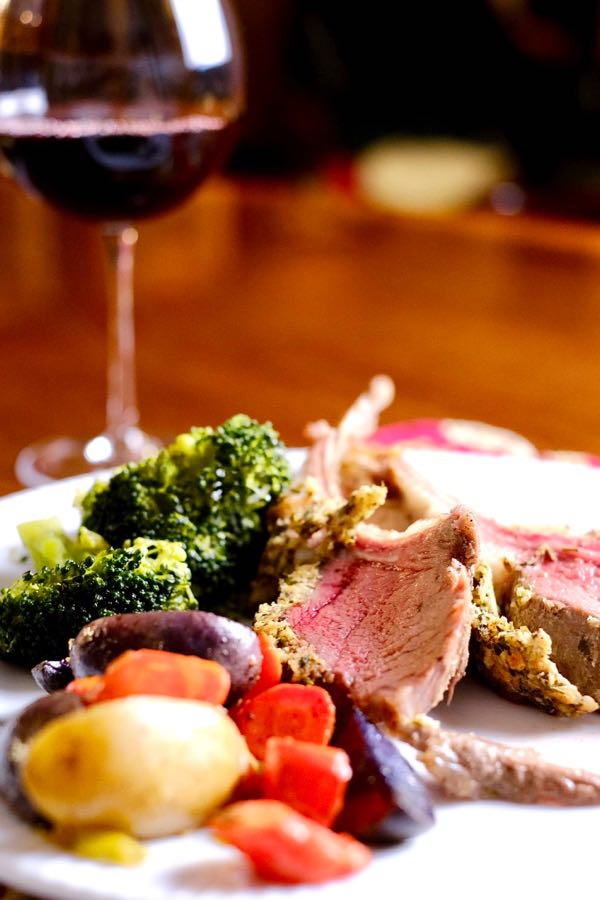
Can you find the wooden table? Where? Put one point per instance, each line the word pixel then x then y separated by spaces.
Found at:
pixel 283 299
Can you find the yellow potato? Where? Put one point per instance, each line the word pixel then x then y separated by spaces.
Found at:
pixel 150 766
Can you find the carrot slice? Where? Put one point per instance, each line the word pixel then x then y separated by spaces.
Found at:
pixel 88 688
pixel 311 778
pixel 270 670
pixel 285 846
pixel 302 711
pixel 161 672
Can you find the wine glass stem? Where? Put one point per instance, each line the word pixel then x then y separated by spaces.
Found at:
pixel 121 399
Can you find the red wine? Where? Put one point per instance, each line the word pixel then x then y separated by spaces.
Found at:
pixel 114 170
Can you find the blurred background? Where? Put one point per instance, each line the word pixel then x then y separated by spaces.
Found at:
pixel 518 77
pixel 415 189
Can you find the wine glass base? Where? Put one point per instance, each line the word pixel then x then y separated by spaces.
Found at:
pixel 63 457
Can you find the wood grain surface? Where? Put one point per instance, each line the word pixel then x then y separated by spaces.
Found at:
pixel 283 299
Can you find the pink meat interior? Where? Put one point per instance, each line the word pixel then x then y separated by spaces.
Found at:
pixel 573 581
pixel 381 624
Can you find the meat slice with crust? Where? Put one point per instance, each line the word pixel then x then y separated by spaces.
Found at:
pixel 389 616
pixel 550 582
pixel 347 587
pixel 545 581
pixel 516 660
pixel 563 598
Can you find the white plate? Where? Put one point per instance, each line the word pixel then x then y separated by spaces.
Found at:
pixel 477 849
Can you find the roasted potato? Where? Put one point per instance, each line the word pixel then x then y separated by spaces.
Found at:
pixel 148 766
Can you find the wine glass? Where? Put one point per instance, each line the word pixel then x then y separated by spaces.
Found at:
pixel 114 110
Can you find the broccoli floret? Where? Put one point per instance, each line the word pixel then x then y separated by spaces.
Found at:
pixel 42 611
pixel 210 489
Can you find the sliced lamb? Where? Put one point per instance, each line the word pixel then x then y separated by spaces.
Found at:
pixel 517 661
pixel 389 616
pixel 507 548
pixel 551 582
pixel 561 595
pixel 328 619
pixel 545 580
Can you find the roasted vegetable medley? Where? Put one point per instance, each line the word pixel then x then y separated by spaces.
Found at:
pixel 160 741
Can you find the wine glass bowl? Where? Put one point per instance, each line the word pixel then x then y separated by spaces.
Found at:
pixel 114 111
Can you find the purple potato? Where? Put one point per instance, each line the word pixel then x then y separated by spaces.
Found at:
pixel 14 736
pixel 52 675
pixel 386 801
pixel 193 633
